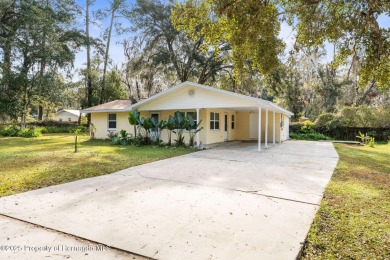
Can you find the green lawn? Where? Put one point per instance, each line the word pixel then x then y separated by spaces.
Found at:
pixel 32 163
pixel 353 221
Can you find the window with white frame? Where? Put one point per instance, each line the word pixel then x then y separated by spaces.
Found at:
pixel 233 122
pixel 214 121
pixel 69 119
pixel 193 115
pixel 111 121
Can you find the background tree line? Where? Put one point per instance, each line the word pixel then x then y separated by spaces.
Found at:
pixel 234 45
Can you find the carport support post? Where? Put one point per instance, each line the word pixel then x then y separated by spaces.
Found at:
pixel 197 134
pixel 259 134
pixel 266 128
pixel 273 134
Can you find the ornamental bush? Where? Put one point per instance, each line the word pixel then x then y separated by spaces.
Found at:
pixel 30 132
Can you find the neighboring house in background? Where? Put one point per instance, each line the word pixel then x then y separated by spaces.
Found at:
pixel 67 115
pixel 226 116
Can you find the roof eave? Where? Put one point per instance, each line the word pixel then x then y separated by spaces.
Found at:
pixel 285 111
pixel 104 111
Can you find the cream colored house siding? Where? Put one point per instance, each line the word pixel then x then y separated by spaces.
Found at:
pixel 201 98
pixel 213 136
pixel 100 121
pixel 277 127
pixel 64 117
pixel 122 122
pixel 242 126
pixel 270 126
pixel 206 135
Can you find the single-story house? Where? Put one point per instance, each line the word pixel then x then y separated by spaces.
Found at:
pixel 67 115
pixel 225 115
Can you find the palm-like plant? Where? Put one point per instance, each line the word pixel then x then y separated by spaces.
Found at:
pixel 181 124
pixel 159 126
pixel 134 120
pixel 193 129
pixel 170 126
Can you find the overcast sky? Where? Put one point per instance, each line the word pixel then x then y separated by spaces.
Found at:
pixel 116 48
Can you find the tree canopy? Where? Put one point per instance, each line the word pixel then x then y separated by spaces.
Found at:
pixel 251 28
pixel 339 54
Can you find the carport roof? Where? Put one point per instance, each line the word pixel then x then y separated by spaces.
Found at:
pixel 257 102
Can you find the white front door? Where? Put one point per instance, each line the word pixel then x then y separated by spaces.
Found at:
pixel 226 127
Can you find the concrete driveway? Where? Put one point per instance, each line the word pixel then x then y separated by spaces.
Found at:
pixel 229 202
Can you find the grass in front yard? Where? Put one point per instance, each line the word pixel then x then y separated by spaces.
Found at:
pixel 32 163
pixel 353 221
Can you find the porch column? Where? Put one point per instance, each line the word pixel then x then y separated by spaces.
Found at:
pixel 259 134
pixel 266 128
pixel 197 134
pixel 273 134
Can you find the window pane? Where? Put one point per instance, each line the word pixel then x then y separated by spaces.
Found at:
pixel 155 116
pixel 111 116
pixel 232 125
pixel 183 114
pixel 193 115
pixel 211 116
pixel 216 116
pixel 212 125
pixel 216 125
pixel 112 124
pixel 233 118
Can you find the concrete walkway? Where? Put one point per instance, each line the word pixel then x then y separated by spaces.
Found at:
pixel 230 202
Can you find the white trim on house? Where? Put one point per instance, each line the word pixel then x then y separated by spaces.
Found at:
pixel 108 122
pixel 260 102
pixel 105 111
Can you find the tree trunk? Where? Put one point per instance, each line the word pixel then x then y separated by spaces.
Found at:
pixel 6 62
pixel 75 144
pixel 89 77
pixel 102 100
pixel 24 113
pixel 361 100
pixel 40 112
pixel 174 61
pixel 138 90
